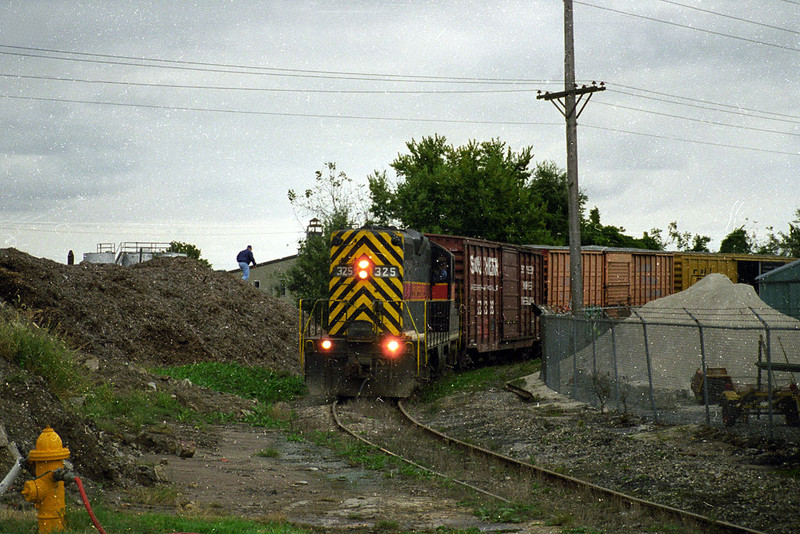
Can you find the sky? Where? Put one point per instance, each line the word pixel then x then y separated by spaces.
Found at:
pixel 154 121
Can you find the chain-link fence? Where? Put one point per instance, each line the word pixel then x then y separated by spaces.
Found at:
pixel 716 366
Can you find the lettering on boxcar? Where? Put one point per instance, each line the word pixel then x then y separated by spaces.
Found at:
pixel 484 265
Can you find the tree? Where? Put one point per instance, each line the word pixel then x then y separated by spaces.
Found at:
pixel 478 190
pixel 680 240
pixel 736 242
pixel 338 204
pixel 790 241
pixel 594 233
pixel 190 250
pixel 308 278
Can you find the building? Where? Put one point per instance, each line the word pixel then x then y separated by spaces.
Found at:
pixel 780 288
pixel 270 276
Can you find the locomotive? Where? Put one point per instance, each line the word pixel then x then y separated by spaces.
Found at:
pixel 403 306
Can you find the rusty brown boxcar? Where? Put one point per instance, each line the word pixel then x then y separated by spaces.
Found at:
pixel 611 276
pixel 498 286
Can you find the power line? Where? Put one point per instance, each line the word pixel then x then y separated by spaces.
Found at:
pixel 687 27
pixel 693 141
pixel 704 121
pixel 227 68
pixel 373 118
pixel 355 76
pixel 710 12
pixel 270 113
pixel 265 89
pixel 734 110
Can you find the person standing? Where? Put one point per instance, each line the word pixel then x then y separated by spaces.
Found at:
pixel 245 258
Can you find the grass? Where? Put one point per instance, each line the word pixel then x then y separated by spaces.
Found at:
pixel 39 352
pixel 117 412
pixel 116 522
pixel 263 385
pixel 478 379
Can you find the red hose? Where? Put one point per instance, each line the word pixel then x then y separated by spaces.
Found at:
pixel 95 522
pixel 85 500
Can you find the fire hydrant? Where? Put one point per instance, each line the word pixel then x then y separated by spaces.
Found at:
pixel 45 492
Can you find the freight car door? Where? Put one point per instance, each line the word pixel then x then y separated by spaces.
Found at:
pixel 618 279
pixel 511 295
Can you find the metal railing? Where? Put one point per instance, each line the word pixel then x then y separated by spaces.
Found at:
pixel 439 326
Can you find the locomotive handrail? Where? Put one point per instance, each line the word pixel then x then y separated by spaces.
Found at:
pixel 316 321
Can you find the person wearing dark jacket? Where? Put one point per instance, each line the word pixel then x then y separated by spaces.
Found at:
pixel 245 258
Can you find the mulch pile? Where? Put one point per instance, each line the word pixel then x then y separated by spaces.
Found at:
pixel 123 320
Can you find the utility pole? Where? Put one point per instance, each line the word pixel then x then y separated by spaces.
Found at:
pixel 567 104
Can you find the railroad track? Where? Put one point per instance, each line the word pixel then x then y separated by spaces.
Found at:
pixel 546 476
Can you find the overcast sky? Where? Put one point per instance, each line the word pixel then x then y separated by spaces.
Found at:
pixel 158 121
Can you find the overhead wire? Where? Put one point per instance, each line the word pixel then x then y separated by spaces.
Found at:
pixel 361 76
pixel 731 17
pixel 687 27
pixel 227 68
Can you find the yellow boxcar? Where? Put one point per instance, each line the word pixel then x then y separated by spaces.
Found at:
pixel 689 267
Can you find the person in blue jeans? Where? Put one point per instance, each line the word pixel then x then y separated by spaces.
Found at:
pixel 245 258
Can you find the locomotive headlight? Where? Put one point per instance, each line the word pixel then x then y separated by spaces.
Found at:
pixel 363 268
pixel 326 344
pixel 392 347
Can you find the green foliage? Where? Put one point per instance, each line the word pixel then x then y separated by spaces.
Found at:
pixel 736 242
pixel 337 203
pixel 677 240
pixel 477 379
pixel 308 278
pixel 594 233
pixel 508 513
pixel 784 243
pixel 477 190
pixel 190 250
pixel 113 520
pixel 35 350
pixel 128 412
pixel 257 383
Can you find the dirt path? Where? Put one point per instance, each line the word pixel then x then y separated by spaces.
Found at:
pixel 260 473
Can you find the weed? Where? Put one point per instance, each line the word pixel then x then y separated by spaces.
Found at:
pixel 36 350
pixel 118 412
pixel 386 525
pixel 479 378
pixel 257 383
pixel 155 495
pixel 269 452
pixel 508 513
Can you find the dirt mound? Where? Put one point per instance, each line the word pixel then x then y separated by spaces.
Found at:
pixel 167 311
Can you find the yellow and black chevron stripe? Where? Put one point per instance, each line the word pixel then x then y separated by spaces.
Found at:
pixel 352 299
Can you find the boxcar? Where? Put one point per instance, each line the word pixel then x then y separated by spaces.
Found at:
pixel 498 288
pixel 611 276
pixel 740 268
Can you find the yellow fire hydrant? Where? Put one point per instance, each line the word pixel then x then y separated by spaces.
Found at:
pixel 46 493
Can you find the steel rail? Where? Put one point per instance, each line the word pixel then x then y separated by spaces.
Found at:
pixel 723 526
pixel 348 430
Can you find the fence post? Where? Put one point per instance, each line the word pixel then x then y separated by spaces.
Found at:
pixel 649 366
pixel 574 357
pixel 769 373
pixel 616 370
pixel 703 363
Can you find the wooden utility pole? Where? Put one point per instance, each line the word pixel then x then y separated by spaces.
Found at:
pixel 567 102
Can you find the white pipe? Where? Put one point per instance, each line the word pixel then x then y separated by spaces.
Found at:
pixel 15 470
